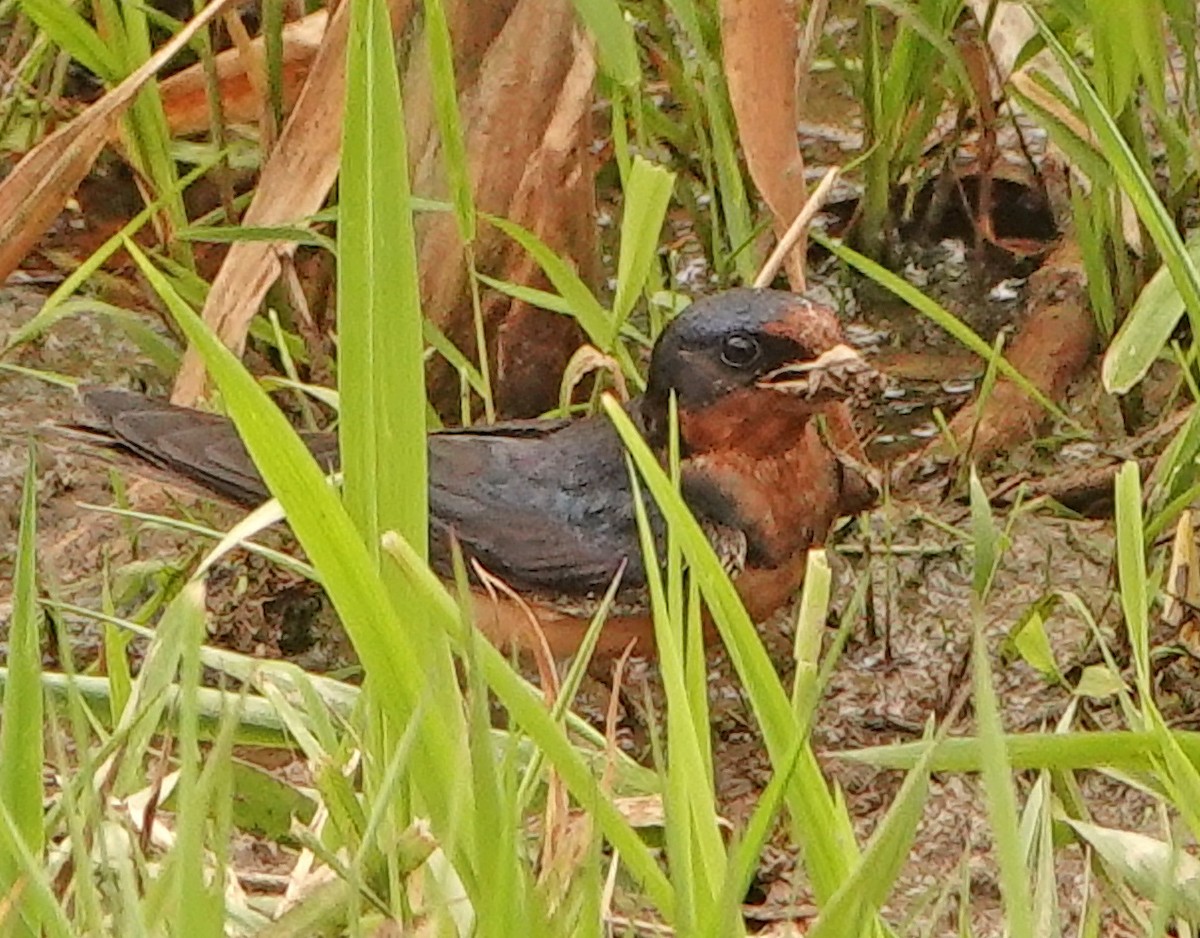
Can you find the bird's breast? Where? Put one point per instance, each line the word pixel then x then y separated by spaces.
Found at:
pixel 785 501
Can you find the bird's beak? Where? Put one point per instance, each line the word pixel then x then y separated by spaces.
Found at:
pixel 838 374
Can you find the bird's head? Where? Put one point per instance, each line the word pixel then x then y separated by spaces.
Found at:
pixel 749 368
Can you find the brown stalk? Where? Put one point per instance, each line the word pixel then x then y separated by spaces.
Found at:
pixel 294 183
pixel 797 230
pixel 253 57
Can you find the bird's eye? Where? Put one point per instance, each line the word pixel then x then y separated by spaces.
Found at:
pixel 740 351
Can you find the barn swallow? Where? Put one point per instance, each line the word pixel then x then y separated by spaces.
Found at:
pixel 769 460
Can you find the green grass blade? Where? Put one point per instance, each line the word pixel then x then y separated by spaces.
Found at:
pixel 71 32
pixel 116 655
pixel 1131 569
pixel 260 724
pixel 49 313
pixel 1126 750
pixel 146 129
pixel 820 824
pixel 1149 865
pixel 697 856
pixel 531 295
pixel 191 894
pixel 985 537
pixel 746 854
pixel 615 43
pixel 150 696
pixel 529 712
pixel 393 651
pixel 296 234
pixel 379 306
pixel 592 317
pixel 1148 328
pixel 445 105
pixel 1181 777
pixel 22 717
pixel 1134 182
pixel 869 885
pixel 810 633
pixel 29 893
pixel 382 433
pixel 647 193
pixel 1001 796
pixel 935 34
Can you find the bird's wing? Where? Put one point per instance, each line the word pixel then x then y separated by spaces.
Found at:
pixel 544 505
pixel 207 449
pixel 552 514
pixel 199 446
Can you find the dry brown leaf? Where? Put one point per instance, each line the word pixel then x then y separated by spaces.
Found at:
pixel 185 99
pixel 1189 636
pixel 759 42
pixel 526 107
pixel 48 175
pixel 587 360
pixel 1182 591
pixel 783 930
pixel 1181 607
pixel 565 837
pixel 565 853
pixel 640 811
pixel 529 162
pixel 611 748
pixel 534 641
pixel 1055 343
pixel 294 183
pixel 556 199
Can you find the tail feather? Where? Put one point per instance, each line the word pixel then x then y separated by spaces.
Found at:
pixel 199 446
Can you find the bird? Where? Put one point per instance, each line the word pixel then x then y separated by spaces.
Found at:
pixel 769 457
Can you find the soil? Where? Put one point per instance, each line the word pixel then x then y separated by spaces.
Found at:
pixel 903 663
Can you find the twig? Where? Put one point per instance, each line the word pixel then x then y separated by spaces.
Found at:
pixel 796 229
pixel 813 27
